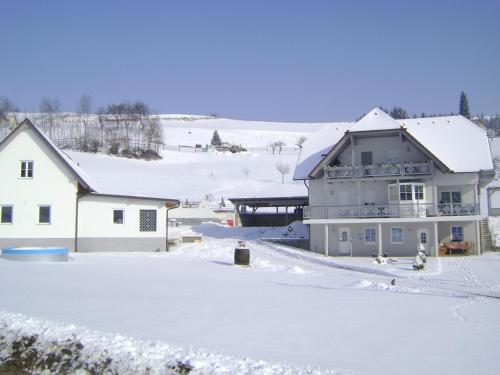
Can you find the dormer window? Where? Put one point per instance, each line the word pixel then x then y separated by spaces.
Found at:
pixel 26 169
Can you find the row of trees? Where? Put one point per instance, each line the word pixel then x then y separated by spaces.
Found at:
pixel 125 128
pixel 400 113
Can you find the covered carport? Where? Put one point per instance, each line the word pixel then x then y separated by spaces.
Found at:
pixel 274 211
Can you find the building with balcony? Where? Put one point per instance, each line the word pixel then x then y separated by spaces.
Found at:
pixel 381 185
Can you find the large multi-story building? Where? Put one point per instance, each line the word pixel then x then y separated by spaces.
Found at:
pixel 381 185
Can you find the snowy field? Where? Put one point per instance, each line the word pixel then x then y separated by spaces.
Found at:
pixel 291 308
pixel 186 174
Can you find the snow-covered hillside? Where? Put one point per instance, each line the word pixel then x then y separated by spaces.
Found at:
pixel 186 174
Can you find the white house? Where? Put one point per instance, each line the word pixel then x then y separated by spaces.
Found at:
pixel 381 185
pixel 47 200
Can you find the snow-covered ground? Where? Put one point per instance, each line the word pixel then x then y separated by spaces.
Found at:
pixel 290 307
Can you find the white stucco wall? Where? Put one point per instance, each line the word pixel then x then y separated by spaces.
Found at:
pixel 52 184
pixel 96 217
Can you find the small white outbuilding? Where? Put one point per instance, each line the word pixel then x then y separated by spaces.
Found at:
pixel 46 199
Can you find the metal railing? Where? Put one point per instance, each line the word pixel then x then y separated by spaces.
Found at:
pixel 412 210
pixel 382 170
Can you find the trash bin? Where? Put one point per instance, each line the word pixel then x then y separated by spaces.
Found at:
pixel 242 256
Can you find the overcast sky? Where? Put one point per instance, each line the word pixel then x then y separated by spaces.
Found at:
pixel 266 60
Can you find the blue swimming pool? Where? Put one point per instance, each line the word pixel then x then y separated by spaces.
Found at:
pixel 36 254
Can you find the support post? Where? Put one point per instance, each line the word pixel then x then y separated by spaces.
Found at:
pixel 435 198
pixel 326 239
pixel 436 239
pixel 476 200
pixel 379 239
pixel 478 239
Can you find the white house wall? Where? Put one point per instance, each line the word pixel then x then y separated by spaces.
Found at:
pixel 97 232
pixel 52 184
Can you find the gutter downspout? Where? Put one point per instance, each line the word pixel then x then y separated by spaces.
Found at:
pixel 77 205
pixel 166 224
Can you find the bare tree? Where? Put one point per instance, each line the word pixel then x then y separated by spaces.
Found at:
pixel 283 169
pixel 49 108
pixel 300 141
pixel 277 146
pixel 6 107
pixel 101 118
pixel 280 145
pixel 245 172
pixel 273 146
pixel 85 109
pixel 153 133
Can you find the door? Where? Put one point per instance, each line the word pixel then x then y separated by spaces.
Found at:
pixel 450 202
pixel 345 241
pixel 423 238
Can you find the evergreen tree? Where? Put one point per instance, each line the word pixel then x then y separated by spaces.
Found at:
pixel 216 141
pixel 399 113
pixel 464 106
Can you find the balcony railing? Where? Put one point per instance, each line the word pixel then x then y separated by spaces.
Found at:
pixel 411 210
pixel 382 170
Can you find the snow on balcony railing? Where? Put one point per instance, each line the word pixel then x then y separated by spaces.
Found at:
pixel 382 170
pixel 412 210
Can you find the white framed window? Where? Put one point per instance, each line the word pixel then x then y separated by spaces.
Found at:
pixel 118 216
pixel 44 215
pixel 26 169
pixel 405 192
pixel 147 220
pixel 457 234
pixel 370 235
pixel 418 190
pixel 6 214
pixel 393 193
pixel 397 235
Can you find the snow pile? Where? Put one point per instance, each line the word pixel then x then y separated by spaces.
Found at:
pixel 295 230
pixel 118 354
pixel 494 224
pixel 374 285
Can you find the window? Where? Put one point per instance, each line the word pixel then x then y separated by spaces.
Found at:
pixel 451 197
pixel 405 192
pixel 419 192
pixel 117 216
pixel 370 235
pixel 423 238
pixel 393 193
pixel 147 220
pixel 456 197
pixel 44 214
pixel 26 169
pixel 457 234
pixel 397 235
pixel 6 215
pixel 366 158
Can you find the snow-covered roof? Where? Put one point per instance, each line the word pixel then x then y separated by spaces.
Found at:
pixel 457 142
pixel 318 146
pixel 376 119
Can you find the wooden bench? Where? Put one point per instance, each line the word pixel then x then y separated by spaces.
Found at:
pixel 454 248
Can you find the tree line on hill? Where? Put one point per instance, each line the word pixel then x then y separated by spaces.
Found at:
pixel 124 129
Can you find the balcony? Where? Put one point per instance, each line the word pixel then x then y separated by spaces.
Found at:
pixel 382 170
pixel 412 210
